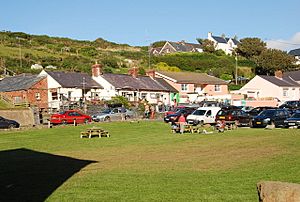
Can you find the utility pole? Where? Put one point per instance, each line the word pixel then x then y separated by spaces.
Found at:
pixel 236 67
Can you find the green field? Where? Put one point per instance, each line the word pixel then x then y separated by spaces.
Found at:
pixel 146 162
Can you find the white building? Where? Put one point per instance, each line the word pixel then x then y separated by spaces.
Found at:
pixel 223 43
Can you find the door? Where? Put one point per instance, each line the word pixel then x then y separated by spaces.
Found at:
pixel 209 118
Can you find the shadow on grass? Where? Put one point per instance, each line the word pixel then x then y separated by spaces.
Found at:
pixel 27 175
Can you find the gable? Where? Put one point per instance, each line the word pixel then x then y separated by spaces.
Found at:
pixel 20 82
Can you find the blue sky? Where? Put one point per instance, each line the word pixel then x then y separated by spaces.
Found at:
pixel 139 22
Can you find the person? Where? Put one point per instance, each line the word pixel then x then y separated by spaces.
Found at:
pixel 182 122
pixel 152 112
pixel 147 111
pixel 123 111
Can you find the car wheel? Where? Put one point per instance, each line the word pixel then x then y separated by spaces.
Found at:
pixel 86 121
pixel 127 117
pixel 64 122
pixel 201 123
pixel 107 118
pixel 11 126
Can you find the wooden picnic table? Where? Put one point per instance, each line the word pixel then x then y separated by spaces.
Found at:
pixel 94 131
pixel 190 128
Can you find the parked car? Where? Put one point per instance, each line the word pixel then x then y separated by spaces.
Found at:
pixel 174 117
pixel 293 121
pixel 112 114
pixel 234 116
pixel 274 117
pixel 176 109
pixel 7 123
pixel 203 115
pixel 255 111
pixel 70 116
pixel 292 104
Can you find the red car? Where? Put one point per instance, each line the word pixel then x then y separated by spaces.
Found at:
pixel 69 116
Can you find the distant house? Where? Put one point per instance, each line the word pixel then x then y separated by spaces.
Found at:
pixel 66 87
pixel 296 54
pixel 192 85
pixel 223 43
pixel 173 47
pixel 281 86
pixel 21 89
pixel 132 86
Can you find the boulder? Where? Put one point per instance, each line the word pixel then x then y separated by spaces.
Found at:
pixel 271 191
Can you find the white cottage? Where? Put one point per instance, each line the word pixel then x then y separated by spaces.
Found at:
pixel 66 87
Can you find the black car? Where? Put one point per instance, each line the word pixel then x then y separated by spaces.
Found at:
pixel 6 123
pixel 255 111
pixel 233 115
pixel 274 117
pixel 292 104
pixel 293 121
pixel 174 117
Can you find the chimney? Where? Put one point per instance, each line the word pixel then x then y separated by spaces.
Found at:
pixel 96 70
pixel 151 73
pixel 133 72
pixel 209 35
pixel 278 74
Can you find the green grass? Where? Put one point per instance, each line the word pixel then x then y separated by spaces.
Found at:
pixel 146 162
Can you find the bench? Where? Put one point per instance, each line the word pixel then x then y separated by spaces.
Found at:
pixel 91 132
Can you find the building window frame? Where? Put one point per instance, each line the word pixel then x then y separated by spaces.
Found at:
pixel 184 87
pixel 38 96
pixel 285 92
pixel 217 88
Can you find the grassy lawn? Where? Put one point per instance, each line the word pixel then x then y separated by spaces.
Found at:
pixel 146 162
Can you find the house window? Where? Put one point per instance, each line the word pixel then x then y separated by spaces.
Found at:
pixel 217 88
pixel 54 96
pixel 285 92
pixel 37 96
pixel 184 87
pixel 144 95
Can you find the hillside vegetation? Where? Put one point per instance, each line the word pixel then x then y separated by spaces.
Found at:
pixel 18 51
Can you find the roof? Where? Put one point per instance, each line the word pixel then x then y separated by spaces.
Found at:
pixel 295 52
pixel 219 39
pixel 166 85
pixel 184 47
pixel 191 77
pixel 74 79
pixel 295 75
pixel 125 81
pixel 285 82
pixel 19 82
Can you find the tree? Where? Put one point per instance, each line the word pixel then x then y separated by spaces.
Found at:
pixel 250 47
pixel 271 60
pixel 158 44
pixel 208 46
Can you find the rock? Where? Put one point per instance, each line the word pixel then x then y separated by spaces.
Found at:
pixel 271 191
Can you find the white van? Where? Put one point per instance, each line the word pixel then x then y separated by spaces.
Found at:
pixel 203 115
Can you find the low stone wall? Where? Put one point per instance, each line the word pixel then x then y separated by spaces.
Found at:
pixel 23 116
pixel 270 191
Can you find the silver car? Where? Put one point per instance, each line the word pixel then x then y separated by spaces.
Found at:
pixel 112 114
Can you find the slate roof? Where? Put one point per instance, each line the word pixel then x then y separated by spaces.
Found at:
pixel 74 79
pixel 19 82
pixel 285 82
pixel 124 81
pixel 184 47
pixel 191 77
pixel 219 39
pixel 295 52
pixel 295 75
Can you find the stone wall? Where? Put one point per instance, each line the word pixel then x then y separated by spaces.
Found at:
pixel 269 191
pixel 23 116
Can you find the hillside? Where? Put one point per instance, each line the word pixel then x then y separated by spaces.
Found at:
pixel 18 51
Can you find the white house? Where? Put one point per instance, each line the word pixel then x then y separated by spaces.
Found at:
pixel 132 86
pixel 223 43
pixel 280 87
pixel 296 54
pixel 66 87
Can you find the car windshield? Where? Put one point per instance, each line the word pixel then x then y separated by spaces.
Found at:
pixel 62 112
pixel 267 113
pixel 199 112
pixel 222 113
pixel 106 111
pixel 296 115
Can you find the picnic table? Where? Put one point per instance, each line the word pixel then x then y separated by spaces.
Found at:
pixel 190 128
pixel 94 131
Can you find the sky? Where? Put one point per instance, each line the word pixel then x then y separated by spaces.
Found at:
pixel 141 22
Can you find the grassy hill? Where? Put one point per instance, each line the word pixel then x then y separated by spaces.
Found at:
pixel 18 51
